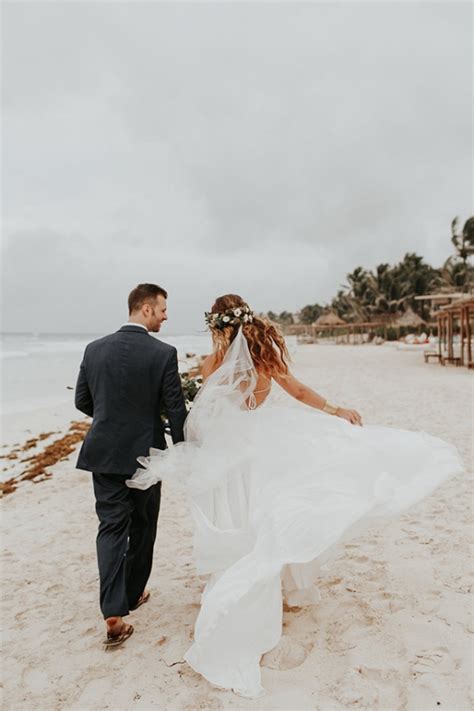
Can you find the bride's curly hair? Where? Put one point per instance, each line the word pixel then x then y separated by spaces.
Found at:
pixel 265 340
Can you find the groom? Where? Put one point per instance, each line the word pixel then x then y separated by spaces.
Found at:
pixel 125 380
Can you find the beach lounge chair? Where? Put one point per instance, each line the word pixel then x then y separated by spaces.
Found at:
pixel 432 354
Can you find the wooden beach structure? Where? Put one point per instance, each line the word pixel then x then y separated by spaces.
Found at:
pixel 457 317
pixel 326 324
pixel 454 313
pixel 452 317
pixel 330 325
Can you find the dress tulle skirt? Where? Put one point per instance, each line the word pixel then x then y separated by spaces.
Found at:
pixel 274 492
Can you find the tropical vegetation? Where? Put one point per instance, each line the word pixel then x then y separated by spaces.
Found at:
pixel 388 290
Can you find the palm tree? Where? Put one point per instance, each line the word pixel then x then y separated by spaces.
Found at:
pixel 310 313
pixel 454 275
pixel 464 246
pixel 413 278
pixel 285 318
pixel 348 307
pixel 368 295
pixel 464 242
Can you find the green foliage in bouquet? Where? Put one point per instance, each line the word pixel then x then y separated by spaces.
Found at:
pixel 191 386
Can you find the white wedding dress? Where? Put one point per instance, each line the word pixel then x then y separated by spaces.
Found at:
pixel 274 491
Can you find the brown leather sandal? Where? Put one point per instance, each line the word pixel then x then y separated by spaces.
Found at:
pixel 115 640
pixel 144 597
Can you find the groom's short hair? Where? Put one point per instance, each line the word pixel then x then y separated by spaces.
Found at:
pixel 142 293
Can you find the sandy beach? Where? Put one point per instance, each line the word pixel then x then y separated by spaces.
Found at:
pixel 392 631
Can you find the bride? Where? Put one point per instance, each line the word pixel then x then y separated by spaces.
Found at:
pixel 275 488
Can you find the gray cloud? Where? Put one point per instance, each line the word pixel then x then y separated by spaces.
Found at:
pixel 266 148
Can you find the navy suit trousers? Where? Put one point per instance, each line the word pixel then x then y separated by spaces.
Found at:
pixel 127 530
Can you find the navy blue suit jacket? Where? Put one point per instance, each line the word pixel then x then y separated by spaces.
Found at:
pixel 125 381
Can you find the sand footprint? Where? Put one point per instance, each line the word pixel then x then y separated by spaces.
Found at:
pixel 360 559
pixel 437 660
pixel 354 690
pixel 53 589
pixel 388 601
pixel 429 603
pixel 352 624
pixel 388 682
pixel 288 654
pixel 462 583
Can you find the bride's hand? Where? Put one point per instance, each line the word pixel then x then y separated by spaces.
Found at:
pixel 351 415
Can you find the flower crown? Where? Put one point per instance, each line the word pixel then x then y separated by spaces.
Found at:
pixel 231 317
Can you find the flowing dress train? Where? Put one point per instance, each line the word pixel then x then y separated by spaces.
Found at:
pixel 274 492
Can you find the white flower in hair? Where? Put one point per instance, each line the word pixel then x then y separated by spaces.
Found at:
pixel 230 317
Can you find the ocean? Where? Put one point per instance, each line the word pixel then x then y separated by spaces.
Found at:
pixel 40 370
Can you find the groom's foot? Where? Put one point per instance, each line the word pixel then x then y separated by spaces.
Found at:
pixel 144 597
pixel 117 631
pixel 114 625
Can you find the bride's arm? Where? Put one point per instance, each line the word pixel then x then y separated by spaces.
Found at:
pixel 303 393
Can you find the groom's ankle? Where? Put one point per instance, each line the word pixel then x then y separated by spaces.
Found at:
pixel 113 621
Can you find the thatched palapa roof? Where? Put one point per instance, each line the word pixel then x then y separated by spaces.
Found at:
pixel 408 318
pixel 329 319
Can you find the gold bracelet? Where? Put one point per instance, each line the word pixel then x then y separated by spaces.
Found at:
pixel 330 409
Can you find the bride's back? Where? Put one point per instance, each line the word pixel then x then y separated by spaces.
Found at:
pixel 261 391
pixel 262 388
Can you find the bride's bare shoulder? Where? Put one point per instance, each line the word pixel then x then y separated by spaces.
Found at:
pixel 208 366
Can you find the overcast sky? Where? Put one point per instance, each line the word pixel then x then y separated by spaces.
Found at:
pixel 259 148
